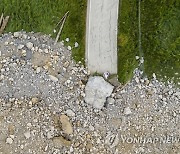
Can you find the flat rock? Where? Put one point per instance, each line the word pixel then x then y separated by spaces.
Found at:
pixel 60 141
pixel 53 78
pixel 66 125
pixel 97 90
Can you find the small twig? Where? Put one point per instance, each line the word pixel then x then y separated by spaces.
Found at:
pixel 5 21
pixel 63 19
pixel 1 19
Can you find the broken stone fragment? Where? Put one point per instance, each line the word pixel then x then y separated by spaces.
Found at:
pixel 53 78
pixel 96 91
pixel 61 141
pixel 66 125
pixel 29 45
pixel 70 113
pixel 16 34
pixel 9 140
pixel 27 134
pixel 127 111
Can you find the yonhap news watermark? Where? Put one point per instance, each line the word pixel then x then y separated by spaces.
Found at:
pixel 167 139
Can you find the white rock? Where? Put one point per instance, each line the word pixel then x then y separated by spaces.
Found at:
pixel 97 90
pixel 16 34
pixel 76 44
pixel 29 124
pixel 40 50
pixel 54 31
pixel 3 70
pixel 9 140
pixel 0 53
pixel 91 128
pixel 137 79
pixel 46 50
pixel 106 75
pixel 68 81
pixel 38 70
pixel 154 75
pixel 50 134
pixel 22 146
pixel 71 149
pixel 137 57
pixel 67 39
pixel 69 48
pixel 20 46
pixel 70 113
pixel 141 60
pixel 24 36
pixel 1 77
pixel 27 134
pixel 6 43
pixel 127 111
pixel 46 148
pixel 29 45
pixel 53 78
pixel 110 101
pixel 12 136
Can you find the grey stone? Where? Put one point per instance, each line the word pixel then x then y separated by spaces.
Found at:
pixel 70 113
pixel 53 78
pixel 110 101
pixel 29 45
pixel 127 111
pixel 16 34
pixel 97 90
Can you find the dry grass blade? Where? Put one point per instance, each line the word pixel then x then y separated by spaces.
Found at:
pixel 1 19
pixel 63 19
pixel 4 23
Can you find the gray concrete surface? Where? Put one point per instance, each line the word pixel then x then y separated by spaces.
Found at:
pixel 101 36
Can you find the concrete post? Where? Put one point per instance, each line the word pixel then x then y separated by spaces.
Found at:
pixel 101 36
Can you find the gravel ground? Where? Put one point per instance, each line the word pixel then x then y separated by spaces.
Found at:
pixel 42 107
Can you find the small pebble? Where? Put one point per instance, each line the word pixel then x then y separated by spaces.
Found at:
pixel 9 140
pixel 16 34
pixel 70 113
pixel 20 46
pixel 67 39
pixel 76 44
pixel 69 48
pixel 27 134
pixel 38 70
pixel 53 78
pixel 127 111
pixel 29 45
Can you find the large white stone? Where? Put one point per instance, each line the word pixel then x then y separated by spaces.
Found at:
pixel 97 90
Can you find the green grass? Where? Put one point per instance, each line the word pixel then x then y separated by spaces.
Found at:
pixel 127 40
pixel 161 38
pixel 160 24
pixel 43 15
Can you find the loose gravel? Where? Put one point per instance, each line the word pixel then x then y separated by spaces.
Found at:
pixel 42 107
